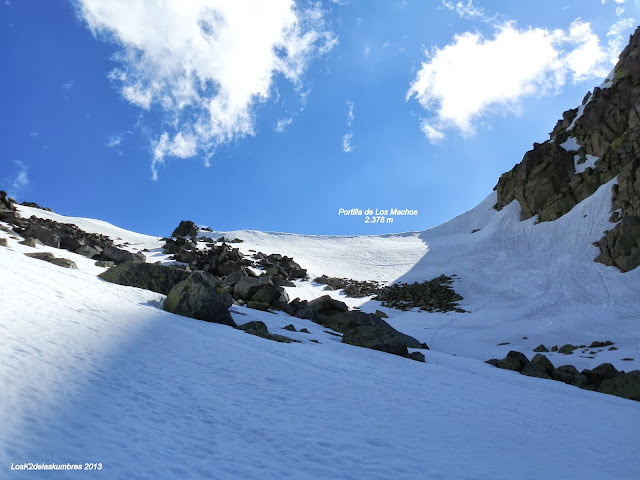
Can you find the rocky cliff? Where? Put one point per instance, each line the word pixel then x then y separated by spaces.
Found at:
pixel 588 147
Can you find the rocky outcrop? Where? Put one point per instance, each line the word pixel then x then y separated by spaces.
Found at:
pixel 605 131
pixel 149 276
pixel 186 228
pixel 198 297
pixel 434 295
pixel 620 246
pixel 604 378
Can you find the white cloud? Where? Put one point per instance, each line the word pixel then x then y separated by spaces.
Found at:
pixel 206 63
pixel 282 124
pixel 20 180
pixel 433 134
pixel 617 39
pixel 350 116
pixel 473 75
pixel 346 143
pixel 347 146
pixel 468 10
pixel 7 3
pixel 114 141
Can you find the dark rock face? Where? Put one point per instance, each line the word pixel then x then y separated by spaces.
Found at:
pixel 197 297
pixel 546 183
pixel 540 183
pixel 620 246
pixel 186 229
pixel 149 276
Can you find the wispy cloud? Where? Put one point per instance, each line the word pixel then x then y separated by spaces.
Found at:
pixel 474 75
pixel 7 3
pixel 205 64
pixel 117 138
pixel 468 10
pixel 346 143
pixel 19 180
pixel 282 124
pixel 347 146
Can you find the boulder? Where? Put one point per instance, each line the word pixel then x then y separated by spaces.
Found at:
pixel 118 255
pixel 328 306
pixel 271 295
pixel 51 258
pixel 515 361
pixel 186 228
pixel 197 297
pixel 4 243
pixel 626 385
pixel 567 349
pixel 417 356
pixel 539 366
pixel 246 287
pixel 259 329
pixel 87 251
pixel 376 337
pixel 149 276
pixel 602 372
pixel 540 348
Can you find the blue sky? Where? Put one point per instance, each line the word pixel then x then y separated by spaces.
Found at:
pixel 275 115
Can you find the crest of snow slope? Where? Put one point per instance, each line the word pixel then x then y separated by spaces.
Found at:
pixel 96 372
pixel 518 279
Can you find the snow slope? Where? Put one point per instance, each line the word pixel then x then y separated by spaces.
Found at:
pixel 96 372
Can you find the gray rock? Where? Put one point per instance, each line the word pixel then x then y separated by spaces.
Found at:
pixel 258 305
pixel 31 242
pixel 567 349
pixel 87 251
pixel 540 348
pixel 602 372
pixel 626 385
pixel 43 233
pixel 376 337
pixel 186 228
pixel 196 297
pixel 4 243
pixel 275 296
pixel 149 276
pixel 51 258
pixel 118 255
pixel 105 263
pixel 328 306
pixel 539 366
pixel 259 329
pixel 246 287
pixel 515 361
pixel 620 246
pixel 417 356
pixel 290 328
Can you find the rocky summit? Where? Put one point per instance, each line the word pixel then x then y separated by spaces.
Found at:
pixel 591 145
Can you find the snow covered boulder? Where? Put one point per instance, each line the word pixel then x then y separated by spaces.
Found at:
pixel 197 297
pixel 150 276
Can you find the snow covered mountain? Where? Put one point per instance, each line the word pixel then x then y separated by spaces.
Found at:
pixel 97 376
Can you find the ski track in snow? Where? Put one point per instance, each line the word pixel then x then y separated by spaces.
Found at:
pixel 96 372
